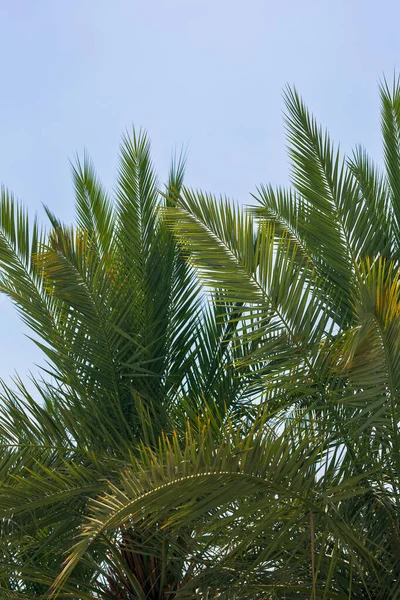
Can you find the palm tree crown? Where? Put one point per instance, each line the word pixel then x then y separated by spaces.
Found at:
pixel 134 349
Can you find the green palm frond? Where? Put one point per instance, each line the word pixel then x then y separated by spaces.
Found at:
pixel 137 198
pixel 320 176
pixel 390 115
pixel 94 209
pixel 374 234
pixel 20 242
pixel 370 354
pixel 283 309
pixel 339 211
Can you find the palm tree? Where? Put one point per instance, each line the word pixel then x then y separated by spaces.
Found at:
pixel 306 503
pixel 296 498
pixel 134 350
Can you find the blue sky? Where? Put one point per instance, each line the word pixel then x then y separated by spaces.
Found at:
pixel 205 74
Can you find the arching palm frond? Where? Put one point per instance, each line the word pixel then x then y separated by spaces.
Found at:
pixel 283 309
pixel 252 508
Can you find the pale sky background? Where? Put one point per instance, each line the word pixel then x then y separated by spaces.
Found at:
pixel 206 74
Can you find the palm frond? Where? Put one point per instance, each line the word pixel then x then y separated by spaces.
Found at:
pixel 94 209
pixel 259 483
pixel 390 115
pixel 283 308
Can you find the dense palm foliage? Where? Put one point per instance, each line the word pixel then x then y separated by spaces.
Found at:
pixel 243 448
